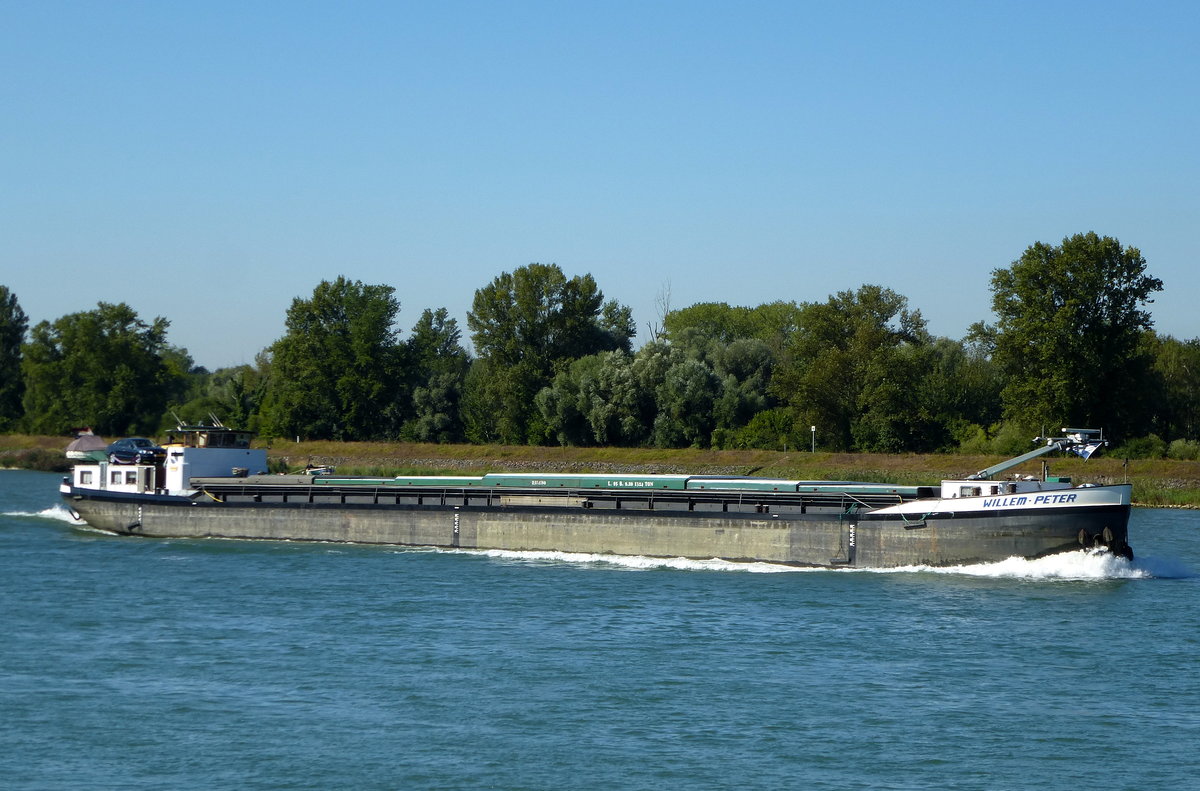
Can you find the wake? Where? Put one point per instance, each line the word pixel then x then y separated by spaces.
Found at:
pixel 57 513
pixel 1079 565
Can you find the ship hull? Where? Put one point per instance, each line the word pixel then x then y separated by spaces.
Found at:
pixel 936 533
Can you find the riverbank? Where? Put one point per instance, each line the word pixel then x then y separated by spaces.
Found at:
pixel 1156 482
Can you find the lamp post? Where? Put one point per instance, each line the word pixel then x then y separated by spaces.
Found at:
pixel 814 437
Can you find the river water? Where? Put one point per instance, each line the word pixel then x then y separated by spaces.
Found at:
pixel 131 663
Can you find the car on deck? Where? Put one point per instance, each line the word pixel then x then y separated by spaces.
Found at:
pixel 135 450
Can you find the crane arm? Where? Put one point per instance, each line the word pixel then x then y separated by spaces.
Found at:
pixel 1083 441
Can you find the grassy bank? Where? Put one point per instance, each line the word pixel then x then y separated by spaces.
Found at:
pixel 1157 482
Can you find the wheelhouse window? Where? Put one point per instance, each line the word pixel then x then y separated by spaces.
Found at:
pixel 115 477
pixel 85 477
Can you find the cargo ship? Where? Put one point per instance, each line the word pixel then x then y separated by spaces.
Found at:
pixel 210 483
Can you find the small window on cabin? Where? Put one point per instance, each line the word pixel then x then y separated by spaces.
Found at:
pixel 130 476
pixel 115 477
pixel 85 477
pixel 968 491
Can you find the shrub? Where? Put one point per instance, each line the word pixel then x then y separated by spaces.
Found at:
pixel 37 459
pixel 1151 447
pixel 1002 439
pixel 1184 449
pixel 771 429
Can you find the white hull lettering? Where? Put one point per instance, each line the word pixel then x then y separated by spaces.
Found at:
pixel 1053 498
pixel 1004 502
pixel 1041 499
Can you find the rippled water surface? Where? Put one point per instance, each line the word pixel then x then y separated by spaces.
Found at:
pixel 143 663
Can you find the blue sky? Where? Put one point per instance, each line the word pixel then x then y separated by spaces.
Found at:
pixel 210 162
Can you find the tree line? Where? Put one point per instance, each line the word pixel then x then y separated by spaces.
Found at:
pixel 554 363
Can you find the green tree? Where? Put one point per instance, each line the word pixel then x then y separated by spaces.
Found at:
pixel 437 368
pixel 483 409
pixel 686 399
pixel 437 410
pixel 529 323
pixel 889 419
pixel 1070 325
pixel 337 372
pixel 188 380
pixel 741 346
pixel 567 404
pixel 233 395
pixel 660 396
pixel 103 368
pixel 717 321
pixel 13 326
pixel 1177 368
pixel 536 315
pixel 602 399
pixel 241 391
pixel 744 367
pixel 647 374
pixel 845 365
pixel 772 323
pixel 435 344
pixel 956 394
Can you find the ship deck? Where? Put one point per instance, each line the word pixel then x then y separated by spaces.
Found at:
pixel 300 490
